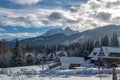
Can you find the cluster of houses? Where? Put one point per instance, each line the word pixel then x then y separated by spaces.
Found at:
pixel 31 58
pixel 104 56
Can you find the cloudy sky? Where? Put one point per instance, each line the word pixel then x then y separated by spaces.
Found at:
pixel 23 18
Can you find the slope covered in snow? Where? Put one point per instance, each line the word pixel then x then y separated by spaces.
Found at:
pixel 52 32
pixel 67 31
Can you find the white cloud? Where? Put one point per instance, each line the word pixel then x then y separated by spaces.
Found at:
pixel 2 30
pixel 73 9
pixel 103 16
pixel 89 15
pixel 25 1
pixel 32 18
pixel 18 35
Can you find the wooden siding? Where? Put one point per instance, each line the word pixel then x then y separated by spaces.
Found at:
pixel 114 54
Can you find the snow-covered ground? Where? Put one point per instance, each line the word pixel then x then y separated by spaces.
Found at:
pixel 36 73
pixel 62 77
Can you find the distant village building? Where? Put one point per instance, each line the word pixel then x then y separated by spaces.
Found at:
pixel 51 56
pixel 71 62
pixel 39 58
pixel 108 55
pixel 61 54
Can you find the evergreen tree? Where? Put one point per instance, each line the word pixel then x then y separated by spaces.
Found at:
pixel 86 53
pixel 27 48
pixel 91 46
pixel 97 44
pixel 17 56
pixel 105 41
pixel 114 40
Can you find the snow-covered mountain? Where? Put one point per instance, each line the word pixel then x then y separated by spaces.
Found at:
pixel 98 33
pixel 67 31
pixel 67 36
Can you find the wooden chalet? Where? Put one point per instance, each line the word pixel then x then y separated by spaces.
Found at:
pixel 108 55
pixel 71 62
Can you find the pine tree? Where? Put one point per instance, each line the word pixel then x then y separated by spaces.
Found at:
pixel 114 40
pixel 86 53
pixel 27 48
pixel 97 44
pixel 105 41
pixel 17 56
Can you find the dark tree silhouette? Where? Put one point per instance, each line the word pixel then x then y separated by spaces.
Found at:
pixel 17 56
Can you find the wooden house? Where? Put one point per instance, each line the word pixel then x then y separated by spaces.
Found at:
pixel 30 58
pixel 71 62
pixel 108 55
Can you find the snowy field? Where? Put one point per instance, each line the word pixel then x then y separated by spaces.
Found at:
pixel 36 73
pixel 63 77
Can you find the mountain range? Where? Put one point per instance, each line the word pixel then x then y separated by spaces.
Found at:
pixel 67 36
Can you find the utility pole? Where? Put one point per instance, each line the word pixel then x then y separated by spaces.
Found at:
pixel 100 65
pixel 99 72
pixel 42 64
pixel 114 71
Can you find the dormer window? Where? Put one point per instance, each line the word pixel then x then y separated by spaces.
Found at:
pixel 94 53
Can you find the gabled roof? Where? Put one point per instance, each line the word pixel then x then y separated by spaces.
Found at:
pixel 108 50
pixel 40 56
pixel 51 54
pixel 60 52
pixel 95 50
pixel 32 54
pixel 105 50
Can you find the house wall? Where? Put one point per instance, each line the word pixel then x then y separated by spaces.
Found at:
pixel 71 62
pixel 114 54
pixel 101 53
pixel 111 61
pixel 73 66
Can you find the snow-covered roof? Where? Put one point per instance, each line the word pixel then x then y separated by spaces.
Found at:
pixel 108 50
pixel 65 53
pixel 40 55
pixel 32 54
pixel 60 52
pixel 51 54
pixel 95 50
pixel 72 60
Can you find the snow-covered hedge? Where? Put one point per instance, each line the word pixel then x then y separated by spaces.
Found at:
pixel 29 72
pixel 56 71
pixel 86 71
